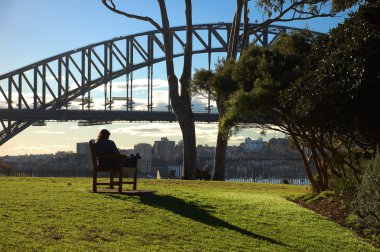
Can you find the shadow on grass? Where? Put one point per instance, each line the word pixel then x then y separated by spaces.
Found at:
pixel 196 213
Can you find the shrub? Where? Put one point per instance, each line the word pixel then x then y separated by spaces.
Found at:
pixel 4 166
pixel 346 189
pixel 367 204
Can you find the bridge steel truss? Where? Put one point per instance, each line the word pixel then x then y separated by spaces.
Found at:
pixel 44 90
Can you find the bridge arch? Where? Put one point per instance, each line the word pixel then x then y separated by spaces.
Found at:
pixel 45 89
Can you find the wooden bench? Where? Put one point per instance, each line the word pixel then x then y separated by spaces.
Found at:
pixel 203 175
pixel 120 170
pixel 172 174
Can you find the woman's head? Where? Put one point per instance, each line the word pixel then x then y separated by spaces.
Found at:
pixel 104 134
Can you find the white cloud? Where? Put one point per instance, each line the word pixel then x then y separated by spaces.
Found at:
pixel 49 132
pixel 51 77
pixel 73 138
pixel 236 140
pixel 200 104
pixel 3 104
pixel 61 146
pixel 36 149
pixel 206 133
pixel 27 147
pixel 150 130
pixel 29 98
pixel 139 85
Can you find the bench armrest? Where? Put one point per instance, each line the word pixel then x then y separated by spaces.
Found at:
pixel 111 156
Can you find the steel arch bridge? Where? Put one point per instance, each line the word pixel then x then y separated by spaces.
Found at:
pixel 46 90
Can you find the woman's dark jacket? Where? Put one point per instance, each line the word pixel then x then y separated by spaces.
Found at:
pixel 107 147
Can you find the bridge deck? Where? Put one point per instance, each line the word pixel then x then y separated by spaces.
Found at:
pixel 99 115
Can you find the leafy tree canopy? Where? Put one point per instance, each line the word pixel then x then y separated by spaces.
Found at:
pixel 341 89
pixel 262 75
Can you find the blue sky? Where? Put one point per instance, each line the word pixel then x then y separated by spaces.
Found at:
pixel 37 29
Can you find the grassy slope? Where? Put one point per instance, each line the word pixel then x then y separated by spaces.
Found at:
pixel 48 214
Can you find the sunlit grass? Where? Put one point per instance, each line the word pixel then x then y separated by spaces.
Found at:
pixel 58 214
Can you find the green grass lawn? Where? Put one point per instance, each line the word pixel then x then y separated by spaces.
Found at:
pixel 61 214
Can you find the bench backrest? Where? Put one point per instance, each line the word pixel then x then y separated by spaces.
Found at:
pixel 93 153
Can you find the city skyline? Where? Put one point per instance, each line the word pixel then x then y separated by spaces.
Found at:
pixel 55 27
pixel 247 145
pixel 173 134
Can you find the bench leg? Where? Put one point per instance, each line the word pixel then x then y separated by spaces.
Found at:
pixel 134 180
pixel 111 180
pixel 94 181
pixel 120 181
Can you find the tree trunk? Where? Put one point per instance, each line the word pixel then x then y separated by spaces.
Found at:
pixel 182 109
pixel 305 162
pixel 222 141
pixel 181 101
pixel 220 158
pixel 220 150
pixel 185 118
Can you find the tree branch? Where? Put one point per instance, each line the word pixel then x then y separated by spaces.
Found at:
pixel 186 73
pixel 111 6
pixel 166 33
pixel 296 7
pixel 269 21
pixel 234 36
pixel 244 40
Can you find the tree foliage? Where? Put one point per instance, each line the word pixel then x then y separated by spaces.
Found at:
pixel 345 80
pixel 323 96
pixel 220 85
pixel 262 75
pixel 338 96
pixel 218 82
pixel 367 204
pixel 4 166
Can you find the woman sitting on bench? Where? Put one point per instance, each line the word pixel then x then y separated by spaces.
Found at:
pixel 104 146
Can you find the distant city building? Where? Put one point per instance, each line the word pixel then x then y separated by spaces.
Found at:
pixel 83 148
pixel 145 150
pixel 126 151
pixel 253 145
pixel 179 150
pixel 205 151
pixel 164 149
pixel 60 154
pixel 234 152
